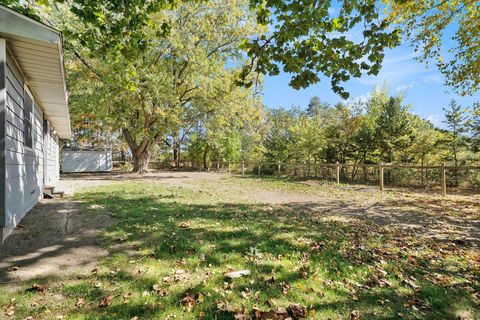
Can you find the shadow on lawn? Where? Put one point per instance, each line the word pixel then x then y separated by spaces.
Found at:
pixel 326 261
pixel 55 237
pixel 327 265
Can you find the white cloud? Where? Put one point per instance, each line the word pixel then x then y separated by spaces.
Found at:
pixel 436 119
pixel 433 78
pixel 396 69
pixel 359 99
pixel 405 87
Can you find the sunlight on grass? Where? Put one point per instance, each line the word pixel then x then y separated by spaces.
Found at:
pixel 171 247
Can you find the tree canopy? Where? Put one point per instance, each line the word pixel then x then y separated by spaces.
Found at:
pixel 167 73
pixel 445 32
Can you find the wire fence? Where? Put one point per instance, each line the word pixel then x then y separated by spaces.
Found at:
pixel 438 177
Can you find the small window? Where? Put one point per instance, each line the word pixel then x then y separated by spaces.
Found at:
pixel 27 120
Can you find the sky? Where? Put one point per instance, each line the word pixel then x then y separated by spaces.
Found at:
pixel 422 86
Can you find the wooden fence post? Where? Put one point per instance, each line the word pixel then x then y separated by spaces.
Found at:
pixel 443 180
pixel 279 167
pixel 259 169
pixel 380 172
pixel 218 165
pixel 243 168
pixel 337 168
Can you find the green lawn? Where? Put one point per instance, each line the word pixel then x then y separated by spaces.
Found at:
pixel 172 246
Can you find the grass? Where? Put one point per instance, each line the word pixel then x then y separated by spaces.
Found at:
pixel 171 247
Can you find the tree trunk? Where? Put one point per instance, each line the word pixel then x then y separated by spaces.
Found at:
pixel 140 152
pixel 176 154
pixel 141 161
pixel 424 173
pixel 205 165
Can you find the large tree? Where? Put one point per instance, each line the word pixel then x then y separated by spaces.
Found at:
pixel 157 93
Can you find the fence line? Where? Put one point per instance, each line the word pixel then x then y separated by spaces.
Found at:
pixel 282 168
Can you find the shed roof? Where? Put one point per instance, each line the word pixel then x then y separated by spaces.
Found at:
pixel 37 48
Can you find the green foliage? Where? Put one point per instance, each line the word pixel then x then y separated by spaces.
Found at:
pixel 426 22
pixel 154 85
pixel 455 119
pixel 393 132
pixel 24 7
pixel 307 39
pixel 474 126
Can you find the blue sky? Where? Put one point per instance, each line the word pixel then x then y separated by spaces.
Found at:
pixel 422 85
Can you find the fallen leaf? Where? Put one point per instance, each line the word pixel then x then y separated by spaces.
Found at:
pixel 355 315
pixel 189 302
pixel 184 225
pixel 10 311
pixel 37 287
pixel 297 311
pixel 411 282
pixel 285 286
pixel 80 302
pixel 106 301
pixel 159 290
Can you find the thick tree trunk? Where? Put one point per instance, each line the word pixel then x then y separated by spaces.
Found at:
pixel 141 161
pixel 140 152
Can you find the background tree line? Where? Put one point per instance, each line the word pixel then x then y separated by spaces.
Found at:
pixel 375 129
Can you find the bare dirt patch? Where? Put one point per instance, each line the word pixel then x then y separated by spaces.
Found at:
pixel 452 219
pixel 57 237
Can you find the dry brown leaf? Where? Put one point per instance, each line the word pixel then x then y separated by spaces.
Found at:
pixel 10 311
pixel 285 286
pixel 297 311
pixel 80 302
pixel 184 225
pixel 37 287
pixel 355 315
pixel 105 302
pixel 159 290
pixel 189 302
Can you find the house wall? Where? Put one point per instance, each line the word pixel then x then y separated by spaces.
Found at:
pixel 3 95
pixel 24 167
pixel 86 161
pixel 52 161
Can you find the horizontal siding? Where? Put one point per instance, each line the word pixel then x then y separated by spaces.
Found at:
pixel 13 119
pixel 14 93
pixel 24 166
pixel 52 158
pixel 14 79
pixel 15 171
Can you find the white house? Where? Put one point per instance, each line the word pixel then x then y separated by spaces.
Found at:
pixel 33 114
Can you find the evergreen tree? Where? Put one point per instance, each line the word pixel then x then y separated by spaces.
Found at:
pixel 455 119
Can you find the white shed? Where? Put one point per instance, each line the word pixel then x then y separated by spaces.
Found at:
pixel 86 161
pixel 34 114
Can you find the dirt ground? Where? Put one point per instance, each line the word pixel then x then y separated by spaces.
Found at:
pixel 423 214
pixel 55 238
pixel 60 236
